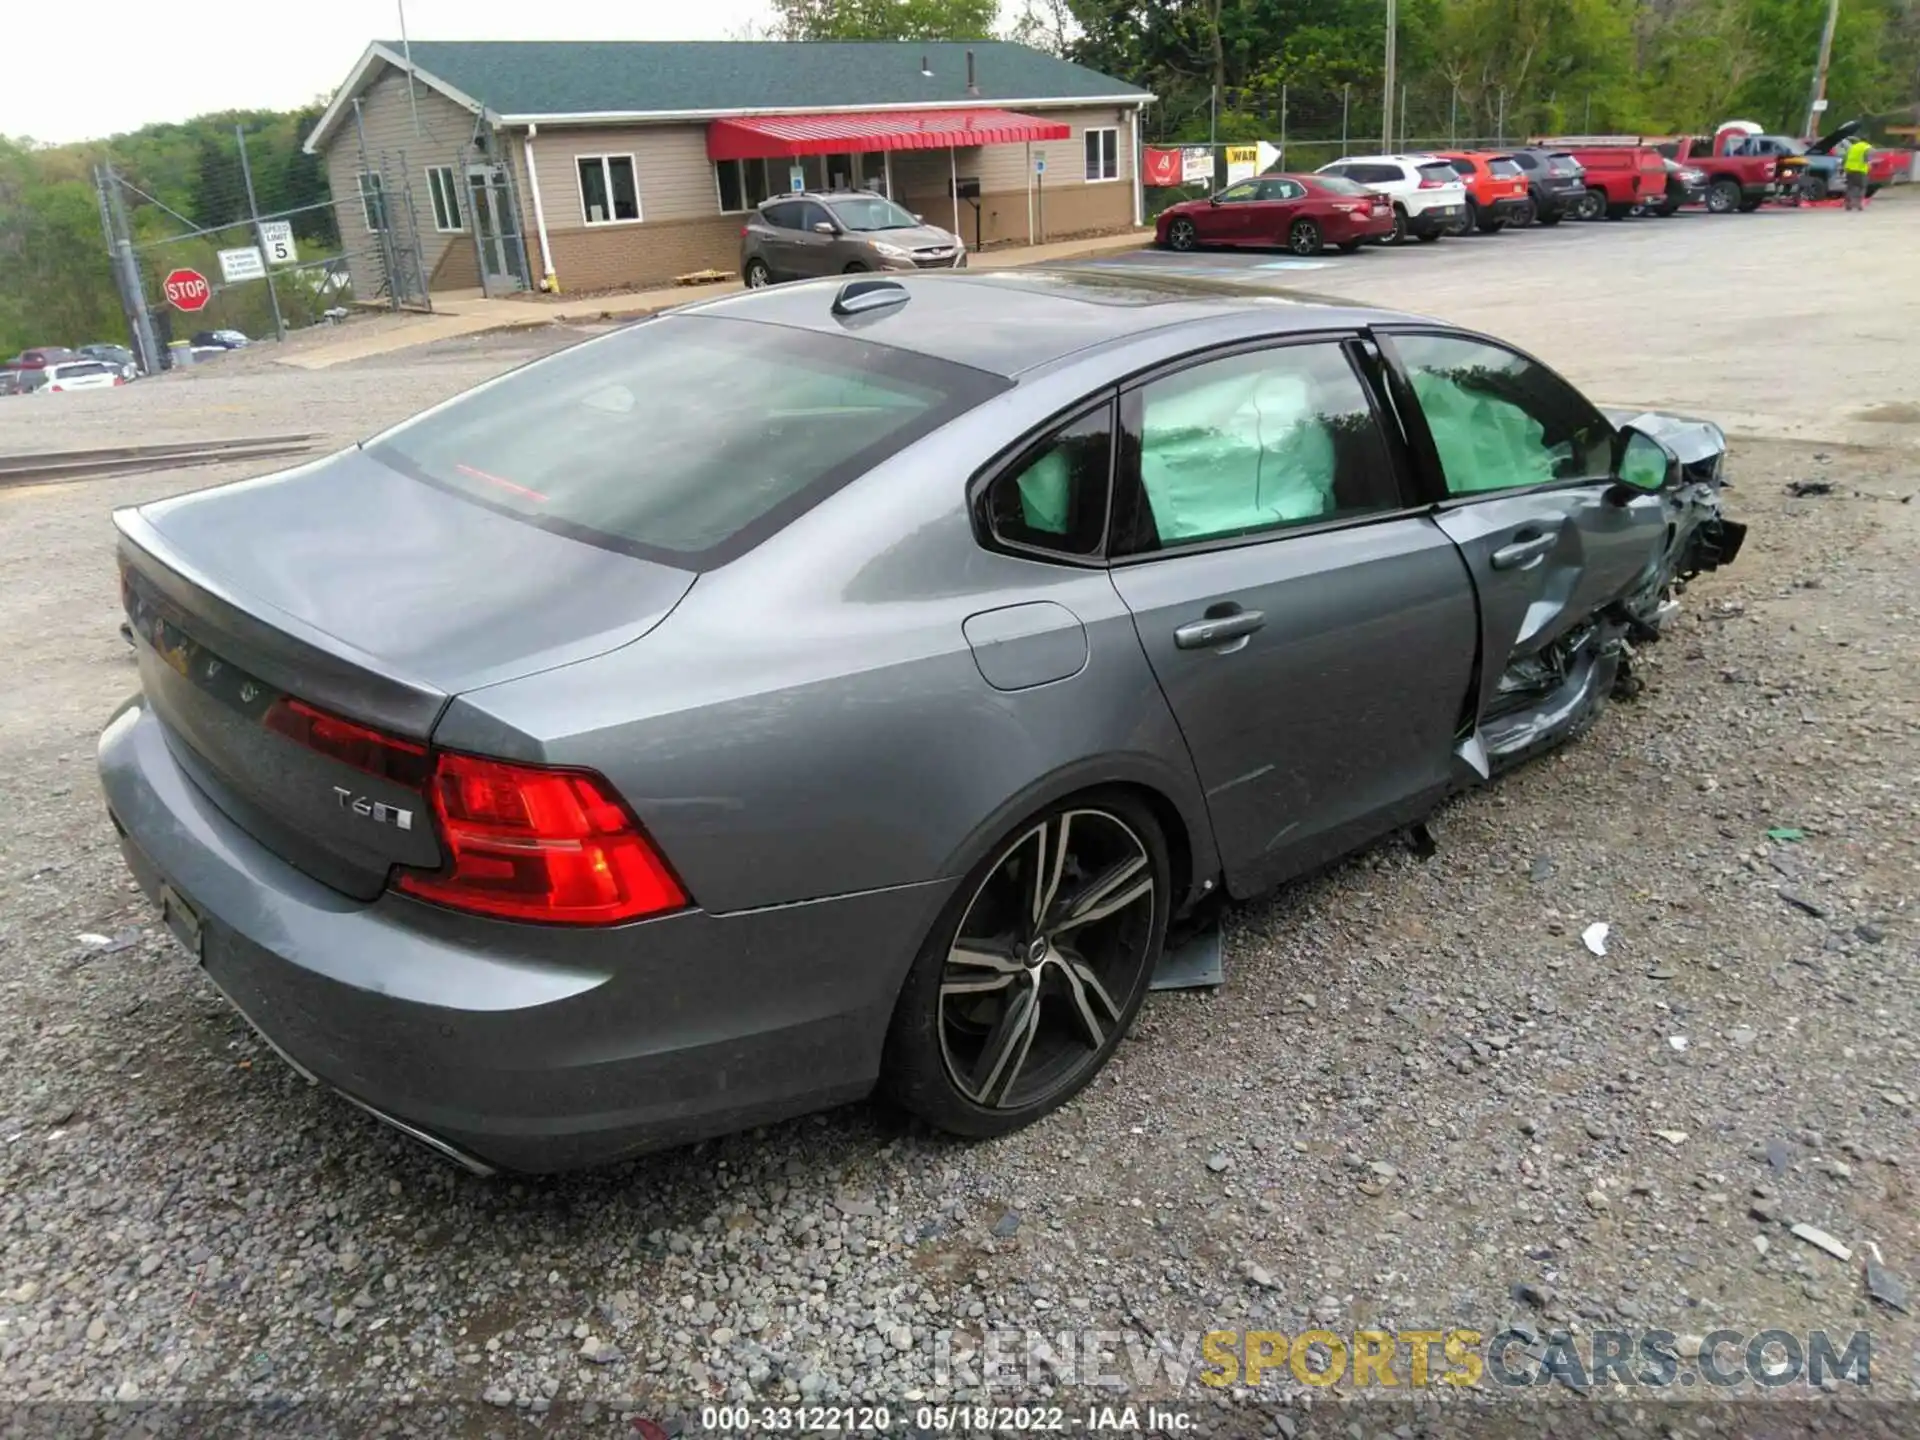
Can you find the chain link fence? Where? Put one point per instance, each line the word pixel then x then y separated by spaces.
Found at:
pixel 193 291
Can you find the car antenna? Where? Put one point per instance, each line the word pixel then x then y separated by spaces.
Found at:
pixel 858 296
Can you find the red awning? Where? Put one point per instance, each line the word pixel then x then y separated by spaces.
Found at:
pixel 768 136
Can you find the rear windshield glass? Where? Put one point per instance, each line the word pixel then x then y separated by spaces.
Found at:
pixel 75 372
pixel 1562 164
pixel 689 438
pixel 1340 185
pixel 1504 168
pixel 1440 171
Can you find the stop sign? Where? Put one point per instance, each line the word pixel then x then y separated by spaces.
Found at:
pixel 188 290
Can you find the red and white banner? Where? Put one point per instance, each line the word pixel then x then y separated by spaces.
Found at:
pixel 1163 166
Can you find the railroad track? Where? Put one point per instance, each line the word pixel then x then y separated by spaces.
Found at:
pixel 49 466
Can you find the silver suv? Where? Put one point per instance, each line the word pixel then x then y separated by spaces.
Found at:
pixel 790 237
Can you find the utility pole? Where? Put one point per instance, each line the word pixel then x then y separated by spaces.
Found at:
pixel 1814 105
pixel 253 213
pixel 1386 118
pixel 126 271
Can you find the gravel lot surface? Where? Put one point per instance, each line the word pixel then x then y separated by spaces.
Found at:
pixel 1419 1103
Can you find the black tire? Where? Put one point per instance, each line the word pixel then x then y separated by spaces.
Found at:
pixel 756 274
pixel 1747 207
pixel 1183 235
pixel 1549 217
pixel 1815 188
pixel 1427 237
pixel 942 1006
pixel 1303 238
pixel 1487 223
pixel 854 267
pixel 1594 205
pixel 1351 247
pixel 1619 212
pixel 1524 216
pixel 1399 235
pixel 1723 196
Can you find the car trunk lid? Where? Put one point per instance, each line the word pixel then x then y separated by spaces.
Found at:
pixel 341 595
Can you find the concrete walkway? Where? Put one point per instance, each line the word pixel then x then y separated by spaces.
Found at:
pixel 470 314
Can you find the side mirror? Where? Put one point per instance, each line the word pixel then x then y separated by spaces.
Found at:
pixel 918 216
pixel 825 227
pixel 1641 463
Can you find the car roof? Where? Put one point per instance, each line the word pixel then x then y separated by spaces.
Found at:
pixel 1009 322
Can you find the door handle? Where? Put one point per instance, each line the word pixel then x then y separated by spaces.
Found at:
pixel 1218 630
pixel 1527 547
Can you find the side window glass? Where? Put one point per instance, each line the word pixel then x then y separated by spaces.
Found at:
pixel 1258 442
pixel 784 216
pixel 1245 190
pixel 812 215
pixel 1055 497
pixel 1501 422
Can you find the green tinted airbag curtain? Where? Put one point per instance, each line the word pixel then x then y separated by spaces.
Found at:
pixel 1237 453
pixel 1484 443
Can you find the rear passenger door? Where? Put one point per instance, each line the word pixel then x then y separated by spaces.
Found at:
pixel 1522 463
pixel 1313 633
pixel 777 247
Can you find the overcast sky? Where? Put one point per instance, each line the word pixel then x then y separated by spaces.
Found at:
pixel 76 69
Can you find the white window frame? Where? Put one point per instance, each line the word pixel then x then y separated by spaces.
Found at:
pixel 1114 131
pixel 606 171
pixel 379 188
pixel 450 195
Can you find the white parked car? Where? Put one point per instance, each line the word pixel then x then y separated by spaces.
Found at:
pixel 1429 197
pixel 70 375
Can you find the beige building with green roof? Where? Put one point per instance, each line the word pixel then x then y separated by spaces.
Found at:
pixel 582 165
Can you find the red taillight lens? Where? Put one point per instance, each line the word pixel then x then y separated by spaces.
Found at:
pixel 1426 184
pixel 530 843
pixel 392 758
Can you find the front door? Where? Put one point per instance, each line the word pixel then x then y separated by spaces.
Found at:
pixel 1230 219
pixel 1314 636
pixel 1527 464
pixel 495 233
pixel 813 253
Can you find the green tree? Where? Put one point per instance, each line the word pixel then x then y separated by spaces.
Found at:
pixel 884 19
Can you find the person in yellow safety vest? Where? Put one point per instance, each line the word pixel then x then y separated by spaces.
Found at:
pixel 1858 159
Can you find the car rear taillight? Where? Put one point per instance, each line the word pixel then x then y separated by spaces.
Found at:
pixel 523 842
pixel 402 761
pixel 529 842
pixel 1426 184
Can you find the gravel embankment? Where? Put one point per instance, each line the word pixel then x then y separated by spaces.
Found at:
pixel 1419 1102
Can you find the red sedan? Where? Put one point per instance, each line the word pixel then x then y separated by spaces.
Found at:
pixel 1301 212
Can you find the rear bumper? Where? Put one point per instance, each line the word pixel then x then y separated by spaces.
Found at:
pixel 1559 199
pixel 1436 219
pixel 1508 208
pixel 522 1047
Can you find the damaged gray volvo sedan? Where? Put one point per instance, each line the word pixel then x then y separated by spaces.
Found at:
pixel 845 686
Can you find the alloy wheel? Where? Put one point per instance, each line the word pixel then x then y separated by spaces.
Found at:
pixel 1304 238
pixel 1181 235
pixel 758 277
pixel 1046 959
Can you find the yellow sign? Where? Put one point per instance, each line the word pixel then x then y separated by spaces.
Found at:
pixel 1243 162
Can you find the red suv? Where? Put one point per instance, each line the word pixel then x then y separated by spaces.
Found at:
pixel 1496 189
